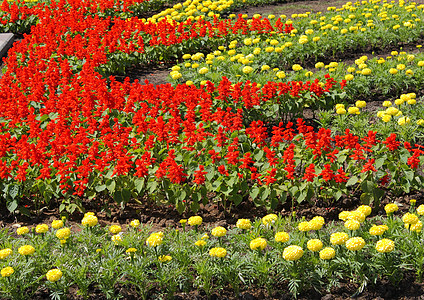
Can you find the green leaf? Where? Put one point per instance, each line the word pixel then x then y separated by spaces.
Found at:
pixel 100 188
pixel 254 193
pixel 237 199
pixel 139 184
pixel 194 206
pixel 264 193
pixel 12 205
pixel 366 198
pixel 111 186
pixel 13 192
pixel 352 181
pixel 379 162
pixel 117 197
pixel 126 195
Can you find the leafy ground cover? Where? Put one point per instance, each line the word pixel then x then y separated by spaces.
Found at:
pixel 297 125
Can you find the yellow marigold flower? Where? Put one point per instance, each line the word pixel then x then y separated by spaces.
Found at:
pixel 218 252
pixel 200 243
pixel 7 271
pixel 131 250
pixel 219 231
pixel 89 221
pixel 352 224
pixel 269 219
pixel 63 233
pixel 258 244
pixel 155 239
pixel 115 229
pixel 412 101
pixel 341 111
pixel 22 230
pixel 416 227
pixel 356 215
pixel 409 218
pixel 360 104
pixel 292 253
pixel 186 56
pixel 314 245
pixel 338 238
pixel 355 243
pixel 420 210
pixel 386 118
pixel 56 224
pixel 164 258
pixel 385 245
pixel 409 72
pixel 195 221
pixel 176 68
pixel 366 71
pixel 351 69
pixel 247 69
pixel 339 106
pixel 401 67
pixel 42 228
pixel 392 111
pixel 89 213
pixel 117 239
pixel 205 236
pixel 282 237
pixel 387 103
pixel 391 208
pixel 344 215
pixel 243 224
pixel 319 65
pixel 135 223
pixel 54 275
pixel 297 67
pixel 353 110
pixel 420 63
pixel 26 250
pixel 404 120
pixel 378 229
pixel 281 75
pixel 265 67
pixel 327 253
pixel 269 49
pixel 349 77
pixel 203 70
pixel 304 226
pixel 316 223
pixel 5 253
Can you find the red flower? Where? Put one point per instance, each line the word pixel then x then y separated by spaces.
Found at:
pixel 327 174
pixel 369 166
pixel 310 173
pixel 223 170
pixel 199 175
pixel 391 142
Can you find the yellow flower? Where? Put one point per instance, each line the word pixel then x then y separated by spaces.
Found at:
pixel 247 69
pixel 115 229
pixel 420 63
pixel 135 223
pixel 218 252
pixel 404 120
pixel 355 243
pixel 22 230
pixel 378 229
pixel 89 213
pixel 5 253
pixel 387 103
pixel 416 227
pixel 314 245
pixel 195 221
pixel 360 104
pixel 327 253
pixel 304 226
pixel 297 67
pixel 265 67
pixel 89 221
pixel 7 271
pixel 243 224
pixel 352 224
pixel 319 65
pixel 269 219
pixel 258 244
pixel 351 69
pixel 203 70
pixel 366 71
pixel 164 258
pixel 353 110
pixel 54 275
pixel 401 67
pixel 117 239
pixel 292 253
pixel 316 223
pixel 63 233
pixel 280 74
pixel 205 236
pixel 386 118
pixel 41 228
pixel 393 71
pixel 56 224
pixel 131 250
pixel 26 250
pixel 200 243
pixel 409 218
pixel 391 208
pixel 420 210
pixel 219 231
pixel 349 77
pixel 176 68
pixel 282 237
pixel 385 245
pixel 356 215
pixel 341 111
pixel 338 238
pixel 339 106
pixel 155 239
